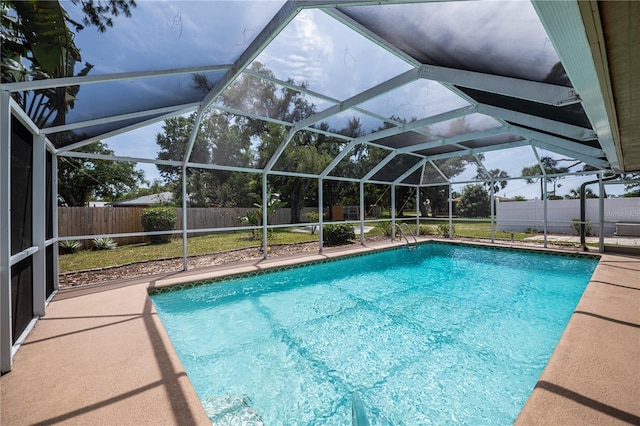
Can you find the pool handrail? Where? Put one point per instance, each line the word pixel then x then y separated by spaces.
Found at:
pixel 409 244
pixel 358 414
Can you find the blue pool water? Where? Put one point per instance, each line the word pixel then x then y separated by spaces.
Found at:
pixel 438 335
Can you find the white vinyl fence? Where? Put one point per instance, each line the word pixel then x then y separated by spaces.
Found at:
pixel 518 216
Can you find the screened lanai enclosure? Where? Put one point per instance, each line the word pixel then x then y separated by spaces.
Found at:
pixel 385 109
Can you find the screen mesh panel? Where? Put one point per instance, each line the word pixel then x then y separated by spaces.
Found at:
pixel 21 296
pixel 21 187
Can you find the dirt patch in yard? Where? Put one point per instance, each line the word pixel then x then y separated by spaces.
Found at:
pixel 139 269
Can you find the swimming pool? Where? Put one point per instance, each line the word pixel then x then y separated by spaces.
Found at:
pixel 438 335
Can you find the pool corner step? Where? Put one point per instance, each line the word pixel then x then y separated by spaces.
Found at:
pixel 231 410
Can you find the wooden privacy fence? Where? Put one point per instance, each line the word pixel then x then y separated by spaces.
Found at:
pixel 119 220
pixel 100 220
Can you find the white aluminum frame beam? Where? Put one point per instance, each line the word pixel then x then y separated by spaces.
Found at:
pixel 117 132
pixel 440 172
pixel 338 158
pixel 173 110
pixel 327 133
pixel 534 91
pixel 278 152
pixel 5 233
pixel 378 90
pixel 39 224
pixel 557 141
pixel 93 156
pixel 410 171
pixel 543 172
pixel 483 168
pixel 471 151
pixel 595 162
pixel 379 166
pixel 309 92
pixel 174 163
pixel 389 183
pixel 248 114
pixel 555 127
pixel 106 78
pixel 412 125
pixel 453 140
pixel 54 222
pixel 290 85
pixel 519 178
pixel 368 34
pixel 545 93
pixel 280 20
pixel 342 179
pixel 578 40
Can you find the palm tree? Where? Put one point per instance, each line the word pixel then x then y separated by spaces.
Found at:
pixel 551 167
pixel 498 177
pixel 575 194
pixel 38 34
pixel 254 217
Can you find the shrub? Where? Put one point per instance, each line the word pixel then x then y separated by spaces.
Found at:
pixel 385 227
pixel 158 219
pixel 104 244
pixel 443 229
pixel 313 217
pixel 337 235
pixel 428 230
pixel 69 246
pixel 576 225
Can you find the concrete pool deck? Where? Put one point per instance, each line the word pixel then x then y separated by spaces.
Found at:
pixel 101 356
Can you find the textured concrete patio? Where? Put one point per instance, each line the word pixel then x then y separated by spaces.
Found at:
pixel 102 357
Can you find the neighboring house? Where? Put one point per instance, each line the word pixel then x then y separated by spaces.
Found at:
pixel 146 200
pixel 503 199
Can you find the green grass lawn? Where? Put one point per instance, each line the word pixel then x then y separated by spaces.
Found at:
pixel 217 242
pixel 206 244
pixel 474 230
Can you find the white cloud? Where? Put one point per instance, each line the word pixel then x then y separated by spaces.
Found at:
pixel 331 58
pixel 163 34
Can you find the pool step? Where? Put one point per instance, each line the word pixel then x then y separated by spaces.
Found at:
pixel 231 410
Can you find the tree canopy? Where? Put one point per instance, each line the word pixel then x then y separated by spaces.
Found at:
pixel 81 180
pixel 551 166
pixel 99 12
pixel 217 142
pixel 632 189
pixel 498 178
pixel 474 202
pixel 231 140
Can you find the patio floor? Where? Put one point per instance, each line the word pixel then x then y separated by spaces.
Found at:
pixel 102 357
